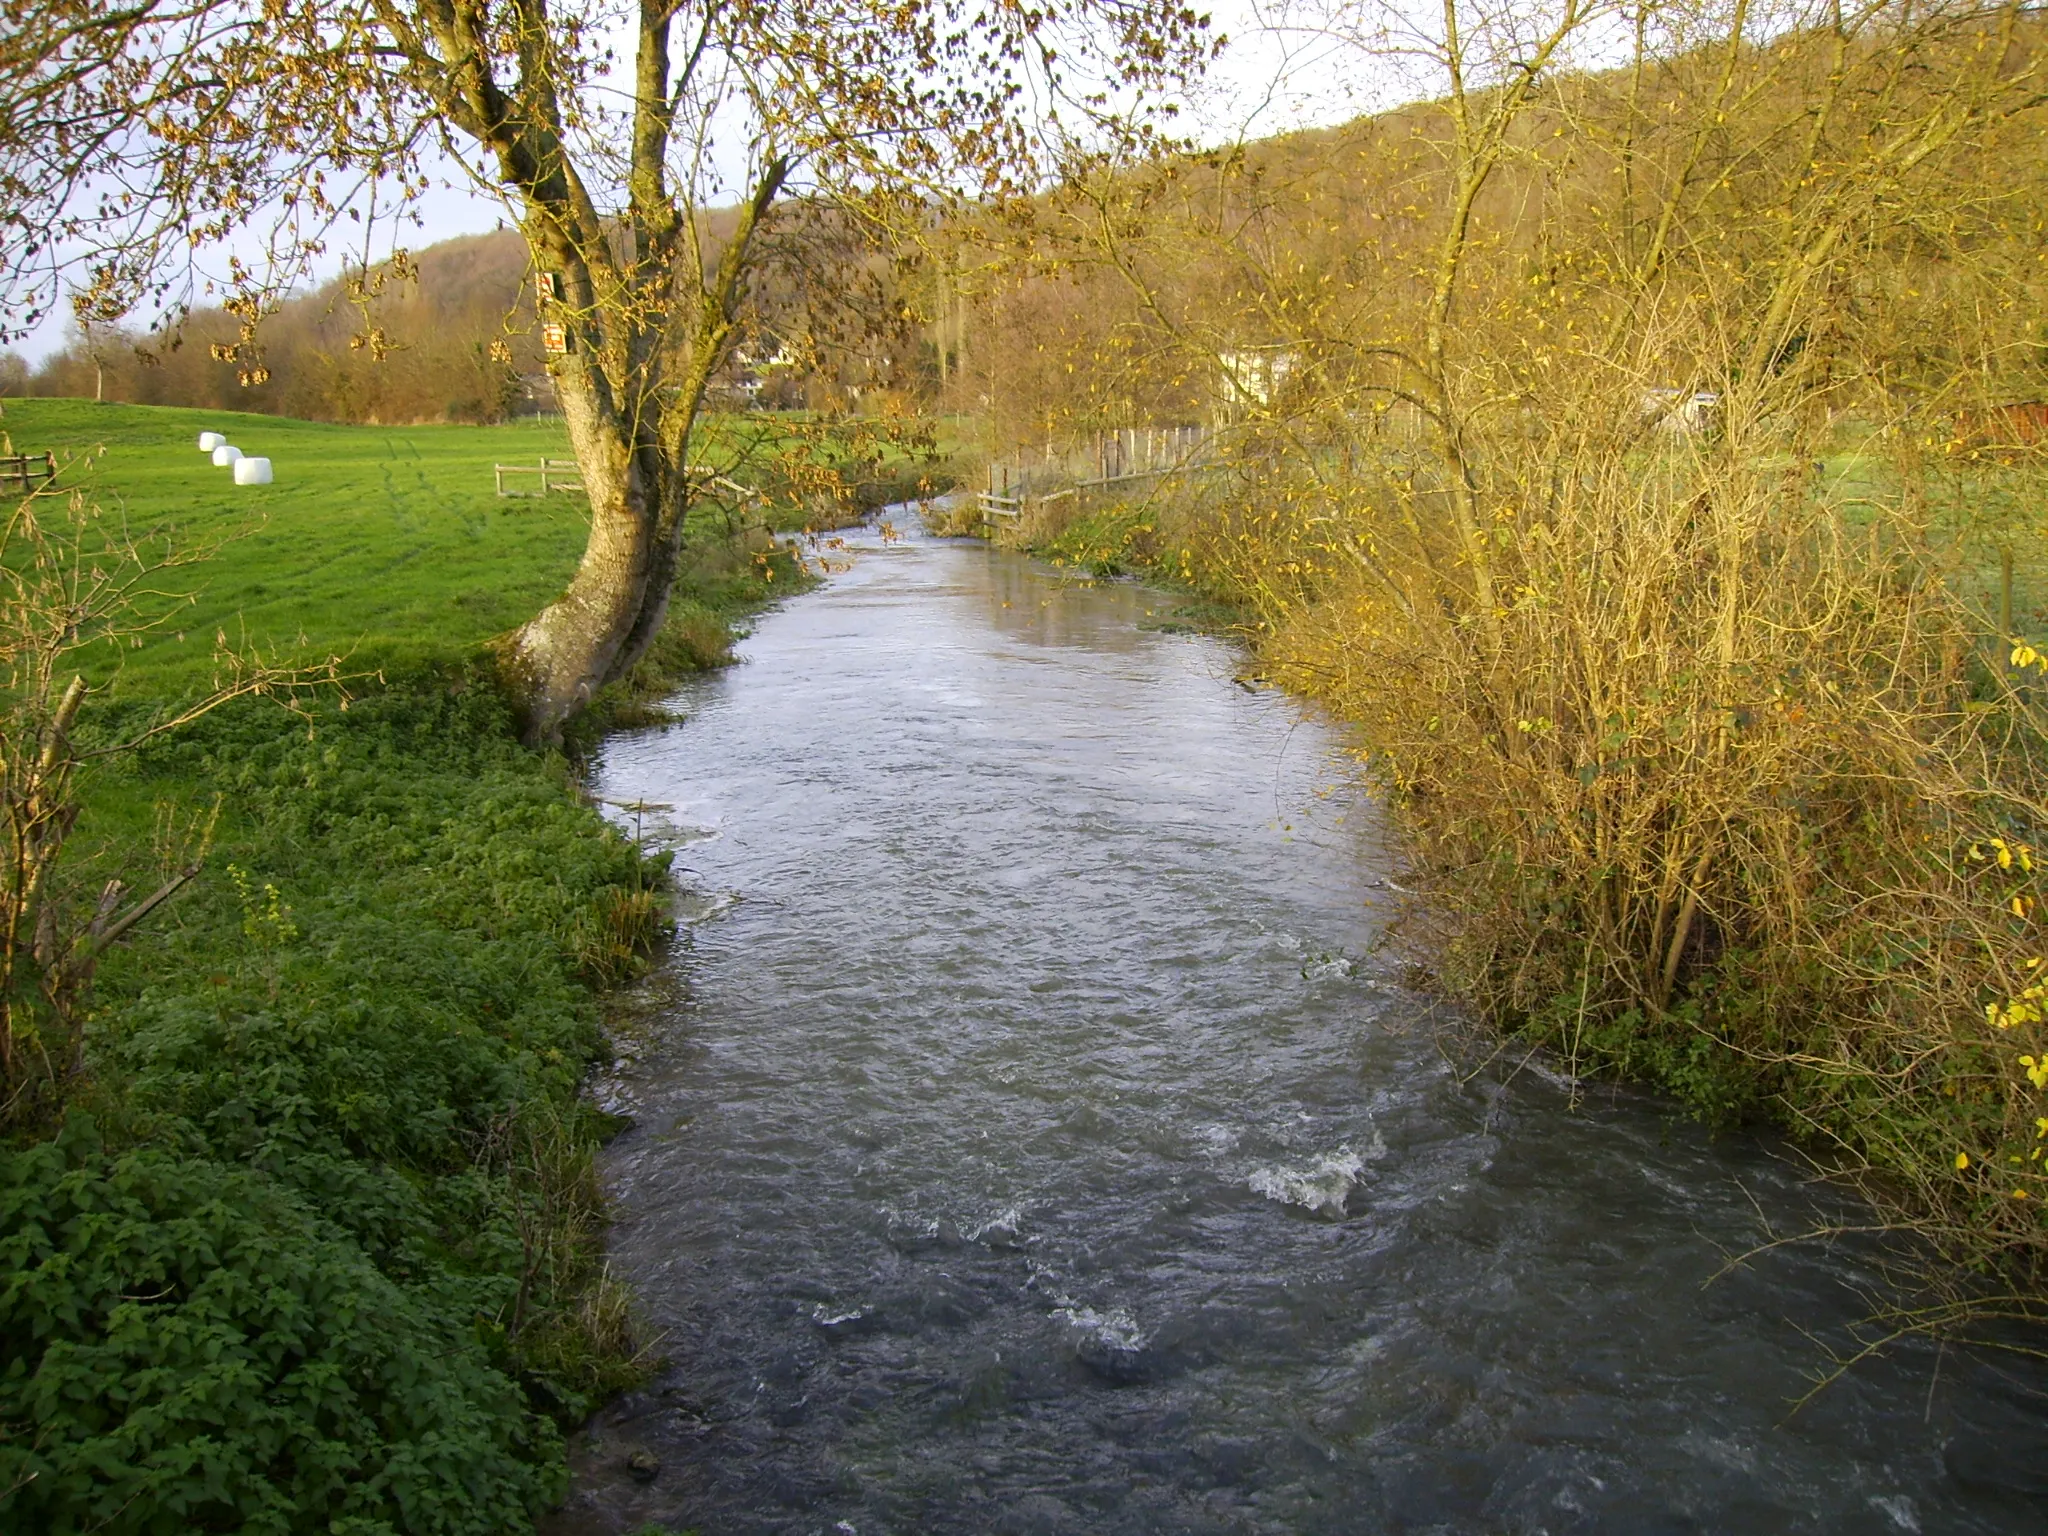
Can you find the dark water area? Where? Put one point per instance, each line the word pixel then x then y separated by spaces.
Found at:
pixel 1028 1138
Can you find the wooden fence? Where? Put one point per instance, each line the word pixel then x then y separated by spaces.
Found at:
pixel 1039 477
pixel 565 475
pixel 25 471
pixel 553 474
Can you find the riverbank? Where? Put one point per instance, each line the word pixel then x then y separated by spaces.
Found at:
pixel 313 1237
pixel 1798 889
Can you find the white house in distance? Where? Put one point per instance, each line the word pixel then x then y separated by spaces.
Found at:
pixel 751 372
pixel 1682 414
pixel 1252 377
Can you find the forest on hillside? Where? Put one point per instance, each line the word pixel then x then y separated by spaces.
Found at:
pixel 452 333
pixel 1120 298
pixel 429 343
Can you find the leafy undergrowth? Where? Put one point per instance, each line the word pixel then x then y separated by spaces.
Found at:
pixel 317 1243
pixel 1114 540
pixel 312 1240
pixel 317 1246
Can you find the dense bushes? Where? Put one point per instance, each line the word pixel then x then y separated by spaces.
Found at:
pixel 316 1248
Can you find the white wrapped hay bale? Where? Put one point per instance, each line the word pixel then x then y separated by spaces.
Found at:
pixel 225 454
pixel 208 441
pixel 251 471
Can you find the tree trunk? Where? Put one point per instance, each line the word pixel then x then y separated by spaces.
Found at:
pixel 631 388
pixel 596 629
pixel 664 556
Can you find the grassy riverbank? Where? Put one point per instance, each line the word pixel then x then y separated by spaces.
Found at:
pixel 313 1241
pixel 1783 868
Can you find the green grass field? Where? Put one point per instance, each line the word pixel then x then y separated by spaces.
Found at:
pixel 387 543
pixel 1975 505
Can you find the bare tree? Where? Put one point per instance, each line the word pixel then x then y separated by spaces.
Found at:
pixel 131 136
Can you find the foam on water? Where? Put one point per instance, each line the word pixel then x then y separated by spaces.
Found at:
pixel 693 907
pixel 1113 1330
pixel 1000 1230
pixel 1322 1186
pixel 825 1317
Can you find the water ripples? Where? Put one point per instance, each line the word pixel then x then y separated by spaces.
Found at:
pixel 1027 1140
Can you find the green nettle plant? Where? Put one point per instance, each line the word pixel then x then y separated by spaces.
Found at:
pixel 210 1354
pixel 317 1246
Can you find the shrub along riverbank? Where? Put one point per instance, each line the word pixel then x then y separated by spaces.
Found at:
pixel 1647 461
pixel 311 1239
pixel 1739 794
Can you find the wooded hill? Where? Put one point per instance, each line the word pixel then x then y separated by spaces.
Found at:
pixel 453 333
pixel 441 339
pixel 1874 178
pixel 1681 176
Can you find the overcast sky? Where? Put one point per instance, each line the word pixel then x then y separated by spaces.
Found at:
pixel 1271 78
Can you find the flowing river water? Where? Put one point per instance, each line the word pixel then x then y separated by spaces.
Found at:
pixel 1028 1139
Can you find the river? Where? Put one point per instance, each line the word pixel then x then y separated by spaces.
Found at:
pixel 1029 1138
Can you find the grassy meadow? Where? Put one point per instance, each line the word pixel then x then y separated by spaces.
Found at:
pixel 388 545
pixel 385 543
